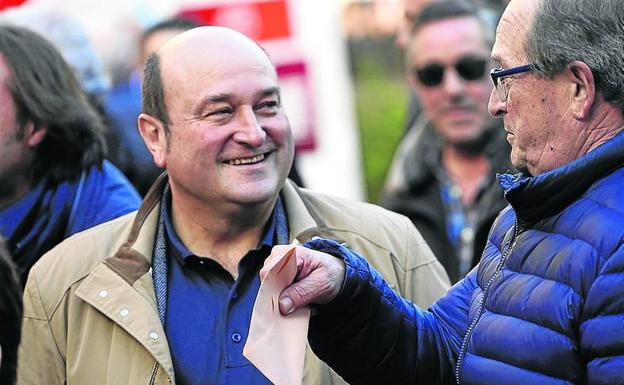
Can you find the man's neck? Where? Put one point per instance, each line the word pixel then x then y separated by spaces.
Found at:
pixel 224 234
pixel 608 122
pixel 467 170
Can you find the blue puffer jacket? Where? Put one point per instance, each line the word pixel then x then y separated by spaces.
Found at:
pixel 545 305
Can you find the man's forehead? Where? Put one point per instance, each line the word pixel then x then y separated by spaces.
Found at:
pixel 512 31
pixel 207 49
pixel 208 40
pixel 455 35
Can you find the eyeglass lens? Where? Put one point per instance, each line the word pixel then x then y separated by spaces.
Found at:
pixel 469 68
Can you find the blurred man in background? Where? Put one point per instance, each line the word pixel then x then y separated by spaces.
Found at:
pixel 443 176
pixel 490 11
pixel 54 181
pixel 10 316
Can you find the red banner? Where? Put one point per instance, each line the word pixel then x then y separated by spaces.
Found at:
pixel 259 20
pixel 4 4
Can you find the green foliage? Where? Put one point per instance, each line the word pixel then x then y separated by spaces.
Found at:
pixel 381 100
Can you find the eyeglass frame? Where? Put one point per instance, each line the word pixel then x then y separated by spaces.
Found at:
pixel 499 73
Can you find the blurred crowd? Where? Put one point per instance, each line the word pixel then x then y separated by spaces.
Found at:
pixel 73 157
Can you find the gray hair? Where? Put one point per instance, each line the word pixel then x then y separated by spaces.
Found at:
pixel 591 31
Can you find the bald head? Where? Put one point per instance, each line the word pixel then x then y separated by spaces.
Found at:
pixel 218 44
pixel 172 70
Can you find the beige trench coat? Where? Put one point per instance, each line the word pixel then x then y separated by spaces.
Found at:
pixel 90 315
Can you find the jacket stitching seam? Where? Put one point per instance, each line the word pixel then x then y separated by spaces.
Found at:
pixel 48 317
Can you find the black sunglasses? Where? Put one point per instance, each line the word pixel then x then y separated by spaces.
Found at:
pixel 469 68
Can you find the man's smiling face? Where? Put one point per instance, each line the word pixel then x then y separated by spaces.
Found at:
pixel 230 139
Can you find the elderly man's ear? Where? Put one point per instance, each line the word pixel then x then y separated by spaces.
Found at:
pixel 153 132
pixel 582 89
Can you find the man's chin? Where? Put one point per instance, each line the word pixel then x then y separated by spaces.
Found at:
pixel 254 194
pixel 470 143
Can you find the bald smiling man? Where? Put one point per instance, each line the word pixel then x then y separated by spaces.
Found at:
pixel 164 295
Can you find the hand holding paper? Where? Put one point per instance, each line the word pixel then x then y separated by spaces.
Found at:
pixel 276 343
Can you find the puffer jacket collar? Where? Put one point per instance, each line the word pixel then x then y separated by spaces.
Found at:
pixel 539 197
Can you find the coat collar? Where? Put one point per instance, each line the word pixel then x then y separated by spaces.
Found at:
pixel 122 281
pixel 302 225
pixel 122 289
pixel 539 197
pixel 134 257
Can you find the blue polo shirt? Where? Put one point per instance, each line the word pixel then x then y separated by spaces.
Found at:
pixel 208 312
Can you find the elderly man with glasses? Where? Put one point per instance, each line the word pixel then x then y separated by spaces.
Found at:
pixel 546 303
pixel 443 176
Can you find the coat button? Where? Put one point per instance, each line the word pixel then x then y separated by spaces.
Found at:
pixel 103 293
pixel 124 312
pixel 236 337
pixel 153 335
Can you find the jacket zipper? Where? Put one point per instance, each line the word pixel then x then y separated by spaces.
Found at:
pixel 153 376
pixel 473 324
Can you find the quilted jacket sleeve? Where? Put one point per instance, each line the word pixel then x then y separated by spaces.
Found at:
pixel 602 325
pixel 370 335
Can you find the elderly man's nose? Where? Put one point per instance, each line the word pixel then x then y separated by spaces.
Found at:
pixel 496 106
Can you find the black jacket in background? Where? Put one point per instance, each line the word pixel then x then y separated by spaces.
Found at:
pixel 412 189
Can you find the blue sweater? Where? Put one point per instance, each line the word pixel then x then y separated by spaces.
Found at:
pixel 50 213
pixel 544 306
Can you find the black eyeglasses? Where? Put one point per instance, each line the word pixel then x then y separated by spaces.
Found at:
pixel 469 68
pixel 498 76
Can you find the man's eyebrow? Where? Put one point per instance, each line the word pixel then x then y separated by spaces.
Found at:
pixel 210 99
pixel 224 98
pixel 269 91
pixel 496 60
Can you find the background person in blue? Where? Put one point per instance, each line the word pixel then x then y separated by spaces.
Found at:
pixel 546 303
pixel 54 181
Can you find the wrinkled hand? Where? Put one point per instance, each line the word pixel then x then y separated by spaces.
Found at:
pixel 318 281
